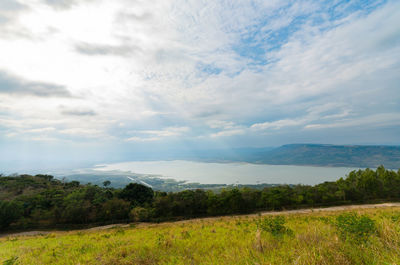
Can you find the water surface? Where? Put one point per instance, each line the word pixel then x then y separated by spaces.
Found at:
pixel 231 173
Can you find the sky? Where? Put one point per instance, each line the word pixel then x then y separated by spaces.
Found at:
pixel 99 79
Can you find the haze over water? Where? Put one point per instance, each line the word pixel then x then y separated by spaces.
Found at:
pixel 231 173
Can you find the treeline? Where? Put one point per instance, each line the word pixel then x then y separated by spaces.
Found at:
pixel 41 201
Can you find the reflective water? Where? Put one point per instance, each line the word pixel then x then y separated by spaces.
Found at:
pixel 231 173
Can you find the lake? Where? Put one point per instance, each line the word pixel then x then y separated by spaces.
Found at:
pixel 231 173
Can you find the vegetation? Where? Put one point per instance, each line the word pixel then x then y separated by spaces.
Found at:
pixel 9 212
pixel 354 227
pixel 274 225
pixel 121 179
pixel 329 155
pixel 315 239
pixel 41 201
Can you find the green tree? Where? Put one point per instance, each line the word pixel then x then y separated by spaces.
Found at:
pixel 137 193
pixel 139 214
pixel 106 183
pixel 115 209
pixel 76 208
pixel 9 213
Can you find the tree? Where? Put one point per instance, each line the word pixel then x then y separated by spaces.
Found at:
pixel 9 213
pixel 137 193
pixel 115 209
pixel 76 208
pixel 139 214
pixel 106 183
pixel 73 184
pixel 46 177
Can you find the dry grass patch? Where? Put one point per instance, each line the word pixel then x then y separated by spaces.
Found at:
pixel 230 240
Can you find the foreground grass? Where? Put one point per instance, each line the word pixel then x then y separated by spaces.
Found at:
pixel 228 240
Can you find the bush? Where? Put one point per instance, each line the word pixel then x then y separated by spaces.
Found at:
pixel 139 214
pixel 115 209
pixel 11 261
pixel 274 225
pixel 9 213
pixel 137 193
pixel 395 217
pixel 354 227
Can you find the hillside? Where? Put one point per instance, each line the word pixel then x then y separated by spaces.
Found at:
pixel 361 236
pixel 37 202
pixel 361 156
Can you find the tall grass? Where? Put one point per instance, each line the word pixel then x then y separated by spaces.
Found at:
pixel 315 238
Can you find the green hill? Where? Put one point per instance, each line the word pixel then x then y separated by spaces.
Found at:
pixel 33 202
pixel 361 156
pixel 359 237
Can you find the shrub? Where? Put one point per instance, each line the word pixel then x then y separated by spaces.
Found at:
pixel 274 225
pixel 11 261
pixel 395 217
pixel 9 213
pixel 139 214
pixel 137 193
pixel 115 209
pixel 354 227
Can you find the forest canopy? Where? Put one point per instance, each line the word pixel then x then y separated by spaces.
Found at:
pixel 40 201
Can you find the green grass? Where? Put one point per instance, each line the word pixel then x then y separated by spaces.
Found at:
pixel 315 239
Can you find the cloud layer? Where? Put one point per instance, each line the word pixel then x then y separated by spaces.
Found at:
pixel 14 85
pixel 194 73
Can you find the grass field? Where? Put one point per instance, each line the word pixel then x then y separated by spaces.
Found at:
pixel 307 238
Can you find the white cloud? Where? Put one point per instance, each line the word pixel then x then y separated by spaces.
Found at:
pixel 167 132
pixel 217 124
pixel 228 133
pixel 275 125
pixel 182 68
pixel 142 139
pixel 88 132
pixel 383 119
pixel 155 135
pixel 41 130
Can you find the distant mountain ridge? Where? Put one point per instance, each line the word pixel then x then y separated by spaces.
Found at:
pixel 362 156
pixel 358 156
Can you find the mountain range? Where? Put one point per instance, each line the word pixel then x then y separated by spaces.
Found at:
pixel 362 156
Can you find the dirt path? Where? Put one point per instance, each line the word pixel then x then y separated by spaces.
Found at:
pixel 337 208
pixel 35 233
pixel 300 211
pixel 309 210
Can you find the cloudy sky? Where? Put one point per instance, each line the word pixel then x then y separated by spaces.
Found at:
pixel 97 76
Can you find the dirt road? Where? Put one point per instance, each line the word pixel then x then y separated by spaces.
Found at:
pixel 309 210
